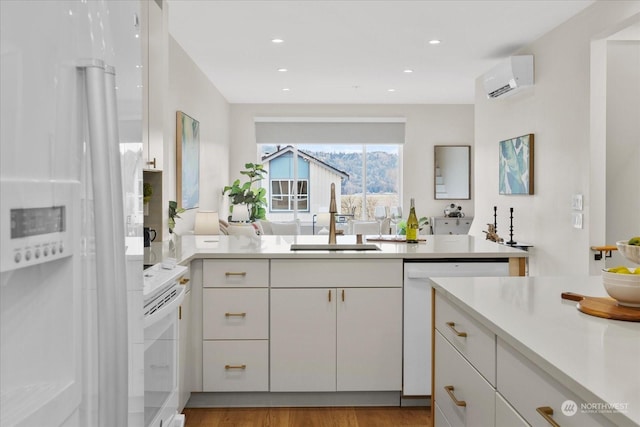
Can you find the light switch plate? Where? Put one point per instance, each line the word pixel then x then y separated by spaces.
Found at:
pixel 576 202
pixel 576 219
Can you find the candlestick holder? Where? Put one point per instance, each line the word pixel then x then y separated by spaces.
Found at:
pixel 511 241
pixel 495 219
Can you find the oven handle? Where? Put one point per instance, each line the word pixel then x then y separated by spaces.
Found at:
pixel 167 309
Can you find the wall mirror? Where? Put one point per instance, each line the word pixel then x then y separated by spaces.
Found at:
pixel 452 172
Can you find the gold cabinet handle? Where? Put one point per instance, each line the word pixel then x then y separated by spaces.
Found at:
pixel 235 314
pixel 231 273
pixel 452 326
pixel 180 312
pixel 184 281
pixel 547 414
pixel 343 295
pixel 152 162
pixel 329 295
pixel 227 367
pixel 449 389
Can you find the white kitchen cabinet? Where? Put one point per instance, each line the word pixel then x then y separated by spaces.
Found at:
pixel 369 339
pixel 235 365
pixel 235 332
pixel 447 225
pixel 462 394
pixel 335 338
pixel 320 342
pixel 529 389
pixel 184 344
pixel 493 383
pixel 303 339
pixel 154 78
pixel 506 416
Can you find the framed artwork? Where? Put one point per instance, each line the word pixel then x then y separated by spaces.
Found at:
pixel 187 161
pixel 516 165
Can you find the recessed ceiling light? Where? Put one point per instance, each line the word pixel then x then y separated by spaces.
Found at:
pixel 391 90
pixel 282 70
pixel 286 89
pixel 408 71
pixel 277 40
pixel 434 41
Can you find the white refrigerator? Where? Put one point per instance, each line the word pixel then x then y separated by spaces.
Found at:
pixel 71 340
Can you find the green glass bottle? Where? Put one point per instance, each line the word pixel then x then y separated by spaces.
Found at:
pixel 412 224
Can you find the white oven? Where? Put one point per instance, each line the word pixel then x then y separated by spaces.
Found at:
pixel 162 296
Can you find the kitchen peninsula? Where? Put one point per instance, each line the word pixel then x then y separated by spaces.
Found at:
pixel 269 326
pixel 510 352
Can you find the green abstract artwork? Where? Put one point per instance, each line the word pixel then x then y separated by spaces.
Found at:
pixel 516 165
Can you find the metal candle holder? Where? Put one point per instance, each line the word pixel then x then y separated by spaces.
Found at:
pixel 511 242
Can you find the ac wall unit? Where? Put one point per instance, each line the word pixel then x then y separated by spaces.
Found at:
pixel 509 76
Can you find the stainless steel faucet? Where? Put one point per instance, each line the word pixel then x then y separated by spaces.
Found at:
pixel 333 210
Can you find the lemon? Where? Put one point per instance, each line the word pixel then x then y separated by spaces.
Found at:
pixel 621 269
pixel 637 270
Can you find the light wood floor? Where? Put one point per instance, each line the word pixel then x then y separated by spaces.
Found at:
pixel 309 417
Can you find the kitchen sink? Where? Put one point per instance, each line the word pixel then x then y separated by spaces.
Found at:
pixel 333 247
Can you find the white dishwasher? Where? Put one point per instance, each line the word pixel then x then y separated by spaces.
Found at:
pixel 417 313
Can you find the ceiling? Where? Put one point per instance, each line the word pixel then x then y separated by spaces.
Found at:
pixel 356 51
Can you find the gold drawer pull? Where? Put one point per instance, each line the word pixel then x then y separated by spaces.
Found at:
pixel 449 389
pixel 547 414
pixel 452 325
pixel 231 273
pixel 227 367
pixel 235 314
pixel 343 295
pixel 329 295
pixel 184 281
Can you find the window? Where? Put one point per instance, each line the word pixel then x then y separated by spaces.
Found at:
pixel 366 176
pixel 283 198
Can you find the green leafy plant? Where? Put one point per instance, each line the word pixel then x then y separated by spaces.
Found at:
pixel 147 192
pixel 244 193
pixel 174 210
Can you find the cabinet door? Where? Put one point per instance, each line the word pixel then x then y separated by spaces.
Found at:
pixel 303 340
pixel 369 339
pixel 184 378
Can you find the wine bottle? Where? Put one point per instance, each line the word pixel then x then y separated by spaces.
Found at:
pixel 412 224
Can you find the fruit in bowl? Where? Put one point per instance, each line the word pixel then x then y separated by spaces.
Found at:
pixel 630 249
pixel 623 285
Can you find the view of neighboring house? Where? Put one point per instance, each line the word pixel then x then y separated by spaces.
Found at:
pixel 313 191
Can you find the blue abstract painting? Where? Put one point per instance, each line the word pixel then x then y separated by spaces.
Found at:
pixel 516 165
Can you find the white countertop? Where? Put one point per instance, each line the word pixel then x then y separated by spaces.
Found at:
pixel 599 359
pixel 439 246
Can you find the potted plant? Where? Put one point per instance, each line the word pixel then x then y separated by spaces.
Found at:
pixel 174 210
pixel 255 199
pixel 147 192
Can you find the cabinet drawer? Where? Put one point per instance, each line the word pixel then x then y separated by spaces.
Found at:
pixel 474 341
pixel 314 273
pixel 231 273
pixel 235 314
pixel 235 365
pixel 439 419
pixel 506 416
pixel 469 388
pixel 527 387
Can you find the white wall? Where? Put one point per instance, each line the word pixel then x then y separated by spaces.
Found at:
pixel 558 110
pixel 623 143
pixel 427 125
pixel 191 92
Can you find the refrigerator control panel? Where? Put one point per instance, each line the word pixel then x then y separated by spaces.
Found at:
pixel 37 219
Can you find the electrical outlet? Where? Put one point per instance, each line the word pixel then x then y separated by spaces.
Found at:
pixel 576 219
pixel 576 202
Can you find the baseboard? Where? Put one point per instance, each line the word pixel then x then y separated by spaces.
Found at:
pixel 415 401
pixel 272 399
